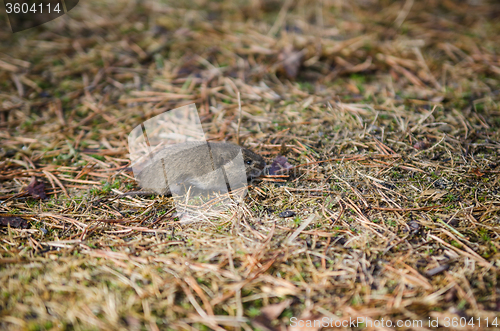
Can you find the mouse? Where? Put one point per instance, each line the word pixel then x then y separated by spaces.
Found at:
pixel 197 164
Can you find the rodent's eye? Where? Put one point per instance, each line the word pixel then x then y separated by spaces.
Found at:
pixel 248 162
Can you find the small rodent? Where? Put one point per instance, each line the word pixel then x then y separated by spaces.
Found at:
pixel 193 164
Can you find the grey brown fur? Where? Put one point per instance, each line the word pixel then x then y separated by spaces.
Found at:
pixel 193 164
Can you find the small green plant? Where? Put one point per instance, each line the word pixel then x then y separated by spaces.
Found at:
pixel 450 197
pixel 106 188
pixel 253 312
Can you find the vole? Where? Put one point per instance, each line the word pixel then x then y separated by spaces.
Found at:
pixel 199 165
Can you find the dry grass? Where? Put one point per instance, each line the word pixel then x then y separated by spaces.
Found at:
pixel 391 109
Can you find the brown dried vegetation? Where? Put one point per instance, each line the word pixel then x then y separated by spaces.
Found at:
pixel 388 111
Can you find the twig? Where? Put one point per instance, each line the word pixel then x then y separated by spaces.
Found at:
pixel 239 120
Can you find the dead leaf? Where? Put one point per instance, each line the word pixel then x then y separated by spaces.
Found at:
pixel 36 189
pixel 14 222
pixel 279 165
pixel 270 313
pixel 421 145
pixel 477 172
pixel 274 311
pixel 290 61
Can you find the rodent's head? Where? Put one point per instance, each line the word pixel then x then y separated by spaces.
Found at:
pixel 254 163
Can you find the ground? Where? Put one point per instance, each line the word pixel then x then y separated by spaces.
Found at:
pixel 388 111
